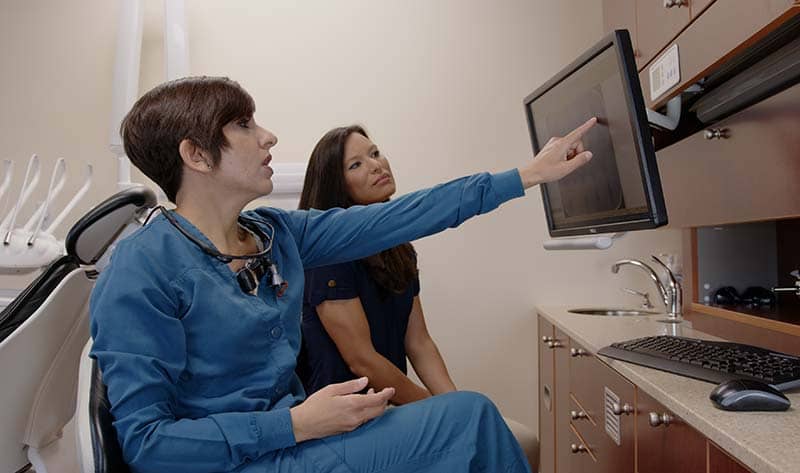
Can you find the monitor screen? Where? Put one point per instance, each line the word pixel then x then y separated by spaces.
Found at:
pixel 619 189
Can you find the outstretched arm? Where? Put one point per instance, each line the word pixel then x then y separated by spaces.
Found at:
pixel 339 235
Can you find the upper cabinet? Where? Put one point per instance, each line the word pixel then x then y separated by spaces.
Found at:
pixel 621 15
pixel 700 35
pixel 659 21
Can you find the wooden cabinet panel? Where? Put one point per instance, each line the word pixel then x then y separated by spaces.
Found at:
pixel 721 462
pixel 588 391
pixel 751 175
pixel 657 25
pixel 581 458
pixel 621 15
pixel 666 448
pixel 547 432
pixel 560 349
pixel 696 7
pixel 592 380
pixel 720 32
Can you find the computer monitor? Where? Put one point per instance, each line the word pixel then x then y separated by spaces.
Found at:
pixel 619 189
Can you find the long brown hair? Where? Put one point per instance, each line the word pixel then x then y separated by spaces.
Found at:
pixel 324 188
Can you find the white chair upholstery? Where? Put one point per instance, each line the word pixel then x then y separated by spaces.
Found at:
pixel 39 362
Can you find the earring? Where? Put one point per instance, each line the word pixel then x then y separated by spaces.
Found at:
pixel 209 166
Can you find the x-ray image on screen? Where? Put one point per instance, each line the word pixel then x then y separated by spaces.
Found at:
pixel 619 188
pixel 596 186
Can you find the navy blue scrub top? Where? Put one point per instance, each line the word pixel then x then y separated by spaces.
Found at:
pixel 320 362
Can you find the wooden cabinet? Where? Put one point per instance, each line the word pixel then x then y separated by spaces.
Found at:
pixel 594 420
pixel 547 430
pixel 721 462
pixel 720 32
pixel 666 444
pixel 706 181
pixel 659 22
pixel 696 7
pixel 608 425
pixel 621 15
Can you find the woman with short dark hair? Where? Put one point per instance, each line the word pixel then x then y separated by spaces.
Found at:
pixel 196 321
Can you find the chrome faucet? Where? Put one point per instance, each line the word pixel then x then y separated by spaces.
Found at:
pixel 671 293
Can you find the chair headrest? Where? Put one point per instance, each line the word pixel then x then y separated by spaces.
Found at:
pixel 91 236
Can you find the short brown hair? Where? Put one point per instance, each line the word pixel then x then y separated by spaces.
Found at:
pixel 191 108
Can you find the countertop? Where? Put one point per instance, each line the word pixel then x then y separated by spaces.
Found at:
pixel 767 442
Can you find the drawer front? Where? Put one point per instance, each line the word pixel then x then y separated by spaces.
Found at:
pixel 581 458
pixel 658 24
pixel 668 443
pixel 697 7
pixel 591 380
pixel 721 462
pixel 587 375
pixel 750 175
pixel 722 30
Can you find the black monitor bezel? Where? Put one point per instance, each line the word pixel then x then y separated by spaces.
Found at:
pixel 656 215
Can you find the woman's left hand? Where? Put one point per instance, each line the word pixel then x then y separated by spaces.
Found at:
pixel 559 157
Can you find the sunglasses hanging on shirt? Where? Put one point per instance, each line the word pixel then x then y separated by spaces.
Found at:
pixel 257 265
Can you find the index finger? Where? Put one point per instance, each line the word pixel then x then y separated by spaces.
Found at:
pixel 577 133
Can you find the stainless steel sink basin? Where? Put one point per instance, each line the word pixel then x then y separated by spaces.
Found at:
pixel 612 312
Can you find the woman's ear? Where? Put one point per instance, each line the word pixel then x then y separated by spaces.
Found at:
pixel 194 157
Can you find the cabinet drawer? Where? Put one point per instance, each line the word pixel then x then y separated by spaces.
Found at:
pixel 750 175
pixel 721 31
pixel 721 462
pixel 587 376
pixel 697 7
pixel 658 24
pixel 581 457
pixel 666 442
pixel 591 380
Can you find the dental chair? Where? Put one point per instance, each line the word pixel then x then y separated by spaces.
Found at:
pixel 42 334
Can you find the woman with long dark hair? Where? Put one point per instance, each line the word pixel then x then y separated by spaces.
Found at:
pixel 196 321
pixel 365 317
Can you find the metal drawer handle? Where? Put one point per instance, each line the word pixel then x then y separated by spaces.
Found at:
pixel 674 3
pixel 554 344
pixel 576 352
pixel 716 134
pixel 619 410
pixel 575 415
pixel 547 339
pixel 578 448
pixel 660 419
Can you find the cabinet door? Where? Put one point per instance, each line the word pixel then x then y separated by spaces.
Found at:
pixel 621 15
pixel 750 174
pixel 658 22
pixel 696 7
pixel 560 349
pixel 665 443
pixel 547 433
pixel 721 462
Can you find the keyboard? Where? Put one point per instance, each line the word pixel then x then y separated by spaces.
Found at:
pixel 705 360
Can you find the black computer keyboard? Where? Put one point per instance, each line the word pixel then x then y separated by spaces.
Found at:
pixel 715 362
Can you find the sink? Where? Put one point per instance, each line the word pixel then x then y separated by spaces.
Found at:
pixel 612 312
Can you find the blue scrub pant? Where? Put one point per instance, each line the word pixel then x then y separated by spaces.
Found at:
pixel 457 432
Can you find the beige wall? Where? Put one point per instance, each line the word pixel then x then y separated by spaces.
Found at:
pixel 439 84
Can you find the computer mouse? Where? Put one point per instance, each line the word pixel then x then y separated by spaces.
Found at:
pixel 748 395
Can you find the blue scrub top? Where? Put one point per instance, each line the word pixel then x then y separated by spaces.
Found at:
pixel 200 375
pixel 320 362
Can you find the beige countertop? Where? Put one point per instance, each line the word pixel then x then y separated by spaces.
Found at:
pixel 767 442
